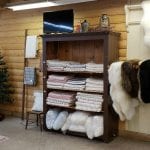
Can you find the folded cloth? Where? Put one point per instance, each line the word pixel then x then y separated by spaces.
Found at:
pixel 94 70
pixel 88 108
pixel 94 89
pixel 88 105
pixel 94 65
pixel 59 104
pixel 94 86
pixel 59 77
pixel 76 65
pixel 90 101
pixel 78 81
pixel 74 69
pixel 88 98
pixel 57 63
pixel 94 81
pixel 55 68
pixel 93 101
pixel 61 95
pixel 75 87
pixel 88 95
pixel 60 100
pixel 55 83
pixel 54 86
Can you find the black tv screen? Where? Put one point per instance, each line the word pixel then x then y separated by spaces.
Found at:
pixel 58 21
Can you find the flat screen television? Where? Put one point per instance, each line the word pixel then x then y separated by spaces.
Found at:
pixel 58 21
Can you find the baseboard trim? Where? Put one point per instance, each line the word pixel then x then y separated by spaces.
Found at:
pixel 135 135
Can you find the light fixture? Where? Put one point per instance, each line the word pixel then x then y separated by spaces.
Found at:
pixel 32 4
pixel 65 2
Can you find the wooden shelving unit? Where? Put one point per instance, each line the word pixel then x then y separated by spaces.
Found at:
pixel 99 47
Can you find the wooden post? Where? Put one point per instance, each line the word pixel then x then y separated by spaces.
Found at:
pixel 24 88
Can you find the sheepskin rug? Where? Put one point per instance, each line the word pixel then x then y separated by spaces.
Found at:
pixel 123 104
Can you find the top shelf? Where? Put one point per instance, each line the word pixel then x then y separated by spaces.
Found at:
pixel 78 36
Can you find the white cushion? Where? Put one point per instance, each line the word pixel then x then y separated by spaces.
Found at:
pixel 38 101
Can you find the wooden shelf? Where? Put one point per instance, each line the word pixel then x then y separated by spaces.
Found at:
pixel 98 47
pixel 86 72
pixel 75 90
pixel 73 133
pixel 74 109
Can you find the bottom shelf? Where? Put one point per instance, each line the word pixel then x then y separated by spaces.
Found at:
pixel 72 133
pixel 80 123
pixel 72 108
pixel 81 135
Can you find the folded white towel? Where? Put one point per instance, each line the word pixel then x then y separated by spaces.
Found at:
pixel 88 109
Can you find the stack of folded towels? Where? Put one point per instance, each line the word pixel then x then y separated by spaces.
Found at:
pixel 57 81
pixel 56 65
pixel 75 66
pixel 75 84
pixel 92 67
pixel 89 102
pixel 94 84
pixel 59 98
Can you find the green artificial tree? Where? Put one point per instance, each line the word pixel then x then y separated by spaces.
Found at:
pixel 6 89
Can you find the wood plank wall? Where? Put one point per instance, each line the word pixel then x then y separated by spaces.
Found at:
pixel 12 39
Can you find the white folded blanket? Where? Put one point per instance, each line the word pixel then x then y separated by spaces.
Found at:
pixel 59 104
pixel 94 89
pixel 94 81
pixel 88 109
pixel 88 95
pixel 54 86
pixel 91 101
pixel 93 106
pixel 94 65
pixel 60 100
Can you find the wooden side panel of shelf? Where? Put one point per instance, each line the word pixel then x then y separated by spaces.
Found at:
pixel 100 47
pixel 110 117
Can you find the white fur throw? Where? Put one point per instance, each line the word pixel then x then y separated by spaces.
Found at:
pixel 123 104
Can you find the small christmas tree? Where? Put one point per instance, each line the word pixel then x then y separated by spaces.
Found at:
pixel 5 88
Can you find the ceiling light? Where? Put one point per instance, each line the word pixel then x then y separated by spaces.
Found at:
pixel 40 4
pixel 30 5
pixel 65 2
